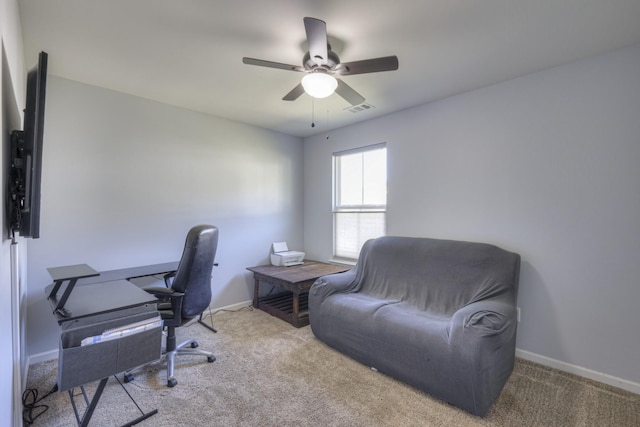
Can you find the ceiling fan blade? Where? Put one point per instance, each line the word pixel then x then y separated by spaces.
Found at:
pixel 386 63
pixel 317 38
pixel 294 94
pixel 347 92
pixel 270 64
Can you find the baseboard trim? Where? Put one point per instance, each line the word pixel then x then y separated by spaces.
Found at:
pixel 580 371
pixel 42 357
pixel 233 307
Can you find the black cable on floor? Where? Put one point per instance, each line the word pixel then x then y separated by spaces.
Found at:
pixel 30 408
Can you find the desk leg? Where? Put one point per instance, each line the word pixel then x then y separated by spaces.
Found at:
pixel 209 327
pixel 256 291
pixel 84 421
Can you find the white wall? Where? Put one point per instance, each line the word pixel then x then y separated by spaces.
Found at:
pixel 12 360
pixel 545 165
pixel 125 178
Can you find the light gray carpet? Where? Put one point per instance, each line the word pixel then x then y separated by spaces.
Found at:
pixel 271 374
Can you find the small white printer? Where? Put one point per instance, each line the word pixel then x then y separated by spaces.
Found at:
pixel 281 256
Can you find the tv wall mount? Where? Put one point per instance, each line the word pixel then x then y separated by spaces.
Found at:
pixel 17 181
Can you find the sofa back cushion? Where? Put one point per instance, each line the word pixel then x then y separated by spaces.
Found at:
pixel 439 276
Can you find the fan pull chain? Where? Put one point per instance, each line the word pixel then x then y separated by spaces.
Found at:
pixel 313 124
pixel 327 121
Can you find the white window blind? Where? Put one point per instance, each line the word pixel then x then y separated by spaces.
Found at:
pixel 360 198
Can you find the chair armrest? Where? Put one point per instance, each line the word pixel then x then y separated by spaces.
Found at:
pixel 167 278
pixel 162 292
pixel 169 295
pixel 334 283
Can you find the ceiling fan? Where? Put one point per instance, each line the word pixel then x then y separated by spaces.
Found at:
pixel 321 63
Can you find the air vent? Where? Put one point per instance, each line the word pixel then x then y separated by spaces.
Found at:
pixel 360 108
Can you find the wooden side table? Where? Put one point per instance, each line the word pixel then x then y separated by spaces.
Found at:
pixel 291 304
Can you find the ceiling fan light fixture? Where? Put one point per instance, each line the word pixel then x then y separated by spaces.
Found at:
pixel 319 85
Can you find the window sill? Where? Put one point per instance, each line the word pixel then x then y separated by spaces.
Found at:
pixel 342 261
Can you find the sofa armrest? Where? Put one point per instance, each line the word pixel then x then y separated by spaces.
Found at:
pixel 483 319
pixel 334 283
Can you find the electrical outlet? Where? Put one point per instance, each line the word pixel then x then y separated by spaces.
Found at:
pixel 518 314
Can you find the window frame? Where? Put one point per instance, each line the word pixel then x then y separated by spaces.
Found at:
pixel 365 208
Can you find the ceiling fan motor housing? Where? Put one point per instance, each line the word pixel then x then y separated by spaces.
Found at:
pixel 331 62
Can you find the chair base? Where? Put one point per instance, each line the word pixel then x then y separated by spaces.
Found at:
pixel 171 359
pixel 183 349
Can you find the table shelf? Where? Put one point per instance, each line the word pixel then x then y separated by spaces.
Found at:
pixel 281 306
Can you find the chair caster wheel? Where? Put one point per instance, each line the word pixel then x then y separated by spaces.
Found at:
pixel 172 382
pixel 128 378
pixel 194 344
pixel 211 359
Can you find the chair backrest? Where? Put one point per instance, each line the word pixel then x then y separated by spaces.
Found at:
pixel 193 276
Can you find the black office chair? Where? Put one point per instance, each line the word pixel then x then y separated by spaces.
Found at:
pixel 189 293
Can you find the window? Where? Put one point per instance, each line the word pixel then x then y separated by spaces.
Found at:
pixel 360 198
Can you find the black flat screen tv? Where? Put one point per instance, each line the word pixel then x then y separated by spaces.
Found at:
pixel 26 157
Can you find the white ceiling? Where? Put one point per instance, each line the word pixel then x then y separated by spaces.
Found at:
pixel 188 53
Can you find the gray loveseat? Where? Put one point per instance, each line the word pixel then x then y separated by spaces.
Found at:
pixel 437 314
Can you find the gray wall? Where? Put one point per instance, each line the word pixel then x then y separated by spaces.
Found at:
pixel 545 165
pixel 125 178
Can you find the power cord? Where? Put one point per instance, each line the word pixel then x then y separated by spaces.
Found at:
pixel 220 310
pixel 30 408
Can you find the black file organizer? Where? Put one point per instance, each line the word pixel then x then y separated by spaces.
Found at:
pixel 89 310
